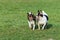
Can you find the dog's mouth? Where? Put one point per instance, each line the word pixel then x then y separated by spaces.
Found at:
pixel 31 18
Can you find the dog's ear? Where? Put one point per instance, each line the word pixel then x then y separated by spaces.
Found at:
pixel 41 11
pixel 38 11
pixel 27 13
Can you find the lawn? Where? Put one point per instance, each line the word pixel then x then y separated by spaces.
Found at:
pixel 13 19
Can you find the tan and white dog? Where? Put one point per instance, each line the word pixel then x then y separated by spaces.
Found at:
pixel 31 20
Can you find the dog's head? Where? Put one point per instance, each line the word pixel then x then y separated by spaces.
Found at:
pixel 40 13
pixel 30 16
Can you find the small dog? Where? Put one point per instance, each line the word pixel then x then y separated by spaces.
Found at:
pixel 31 20
pixel 42 19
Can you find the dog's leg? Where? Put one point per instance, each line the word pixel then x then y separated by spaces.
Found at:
pixel 43 26
pixel 38 26
pixel 30 25
pixel 33 26
pixel 36 19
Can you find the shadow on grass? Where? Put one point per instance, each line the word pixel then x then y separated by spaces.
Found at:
pixel 36 27
pixel 46 27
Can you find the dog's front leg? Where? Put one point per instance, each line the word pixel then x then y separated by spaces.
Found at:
pixel 36 19
pixel 43 26
pixel 29 25
pixel 33 26
pixel 38 26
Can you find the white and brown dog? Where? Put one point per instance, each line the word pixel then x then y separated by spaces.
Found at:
pixel 42 19
pixel 31 20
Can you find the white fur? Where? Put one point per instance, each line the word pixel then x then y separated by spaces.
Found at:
pixel 31 23
pixel 30 13
pixel 44 13
pixel 42 20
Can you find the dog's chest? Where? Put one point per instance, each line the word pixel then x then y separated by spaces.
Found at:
pixel 31 22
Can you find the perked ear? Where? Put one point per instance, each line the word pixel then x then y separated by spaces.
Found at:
pixel 38 11
pixel 27 13
pixel 41 11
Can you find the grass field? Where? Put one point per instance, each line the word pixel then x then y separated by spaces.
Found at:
pixel 13 19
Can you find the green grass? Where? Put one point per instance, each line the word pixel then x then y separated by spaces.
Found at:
pixel 13 19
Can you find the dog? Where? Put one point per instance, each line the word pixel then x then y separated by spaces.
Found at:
pixel 31 20
pixel 42 19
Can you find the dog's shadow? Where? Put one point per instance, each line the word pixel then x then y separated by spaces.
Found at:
pixel 46 27
pixel 36 27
